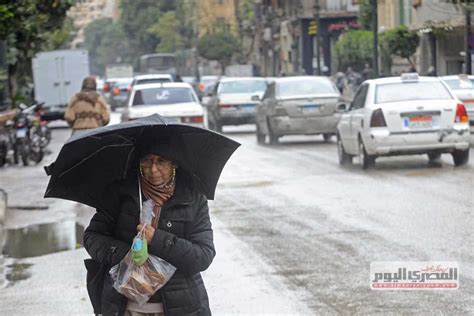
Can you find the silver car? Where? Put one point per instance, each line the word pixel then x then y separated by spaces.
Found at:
pixel 233 101
pixel 304 105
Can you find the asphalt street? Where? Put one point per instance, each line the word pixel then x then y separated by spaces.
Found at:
pixel 315 226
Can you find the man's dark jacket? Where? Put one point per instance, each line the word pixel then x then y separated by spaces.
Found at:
pixel 184 238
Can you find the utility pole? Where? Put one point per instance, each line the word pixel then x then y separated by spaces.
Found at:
pixel 467 58
pixel 376 41
pixel 318 35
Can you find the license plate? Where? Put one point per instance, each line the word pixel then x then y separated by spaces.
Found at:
pixel 310 108
pixel 21 133
pixel 421 122
pixel 247 107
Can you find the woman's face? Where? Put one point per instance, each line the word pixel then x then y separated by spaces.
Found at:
pixel 156 170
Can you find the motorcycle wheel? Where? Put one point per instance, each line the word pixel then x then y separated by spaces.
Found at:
pixel 24 152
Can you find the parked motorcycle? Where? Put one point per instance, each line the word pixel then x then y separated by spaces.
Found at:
pixel 27 141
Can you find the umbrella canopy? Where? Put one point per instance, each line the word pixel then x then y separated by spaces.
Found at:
pixel 88 163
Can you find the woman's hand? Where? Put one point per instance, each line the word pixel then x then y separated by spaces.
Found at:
pixel 148 232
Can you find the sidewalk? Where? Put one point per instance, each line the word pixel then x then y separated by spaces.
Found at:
pixel 238 283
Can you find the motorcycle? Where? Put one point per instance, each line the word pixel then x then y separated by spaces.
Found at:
pixel 40 126
pixel 27 143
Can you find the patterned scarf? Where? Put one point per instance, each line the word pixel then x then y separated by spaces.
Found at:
pixel 159 194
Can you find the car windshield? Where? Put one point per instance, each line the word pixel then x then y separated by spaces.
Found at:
pixel 152 80
pixel 242 86
pixel 409 91
pixel 162 96
pixel 305 87
pixel 460 84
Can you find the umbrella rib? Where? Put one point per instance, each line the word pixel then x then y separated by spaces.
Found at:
pixel 129 141
pixel 93 154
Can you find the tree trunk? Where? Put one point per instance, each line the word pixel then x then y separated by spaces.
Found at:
pixel 12 83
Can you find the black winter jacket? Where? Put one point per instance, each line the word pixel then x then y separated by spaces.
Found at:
pixel 184 238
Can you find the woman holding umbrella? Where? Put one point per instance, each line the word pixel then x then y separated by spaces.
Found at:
pixel 181 234
pixel 175 167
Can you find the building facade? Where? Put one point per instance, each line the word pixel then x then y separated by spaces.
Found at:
pixel 287 42
pixel 86 11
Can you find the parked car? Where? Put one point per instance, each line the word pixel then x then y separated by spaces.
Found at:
pixel 233 102
pixel 303 105
pixel 119 91
pixel 176 101
pixel 402 116
pixel 463 88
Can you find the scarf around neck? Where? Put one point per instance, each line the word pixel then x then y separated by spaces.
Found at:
pixel 159 194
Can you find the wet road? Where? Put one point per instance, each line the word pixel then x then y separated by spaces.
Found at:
pixel 320 225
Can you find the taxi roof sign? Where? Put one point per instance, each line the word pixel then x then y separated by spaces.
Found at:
pixel 409 76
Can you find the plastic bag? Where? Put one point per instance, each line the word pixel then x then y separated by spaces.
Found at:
pixel 139 283
pixel 136 280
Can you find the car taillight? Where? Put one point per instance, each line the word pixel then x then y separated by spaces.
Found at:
pixel 225 106
pixel 106 87
pixel 377 119
pixel 201 87
pixel 116 91
pixel 129 88
pixel 461 114
pixel 192 119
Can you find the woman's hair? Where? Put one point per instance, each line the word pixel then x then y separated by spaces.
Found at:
pixel 89 84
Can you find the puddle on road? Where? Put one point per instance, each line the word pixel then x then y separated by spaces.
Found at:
pixel 42 239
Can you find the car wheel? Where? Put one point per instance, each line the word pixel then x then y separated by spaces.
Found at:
pixel 434 157
pixel 460 157
pixel 260 135
pixel 366 160
pixel 327 137
pixel 344 158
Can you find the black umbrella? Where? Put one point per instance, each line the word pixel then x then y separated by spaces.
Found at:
pixel 88 163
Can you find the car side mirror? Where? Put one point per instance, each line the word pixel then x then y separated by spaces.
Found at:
pixel 342 107
pixel 255 98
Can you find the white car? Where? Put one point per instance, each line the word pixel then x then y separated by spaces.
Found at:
pixel 176 101
pixel 402 116
pixel 463 88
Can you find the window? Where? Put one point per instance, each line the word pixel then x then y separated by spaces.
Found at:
pixel 163 96
pixel 359 99
pixel 306 88
pixel 460 84
pixel 242 86
pixel 386 93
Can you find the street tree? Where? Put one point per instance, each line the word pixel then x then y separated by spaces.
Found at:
pixel 245 14
pixel 402 42
pixel 165 30
pixel 365 14
pixel 220 46
pixel 354 49
pixel 106 43
pixel 136 19
pixel 26 28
